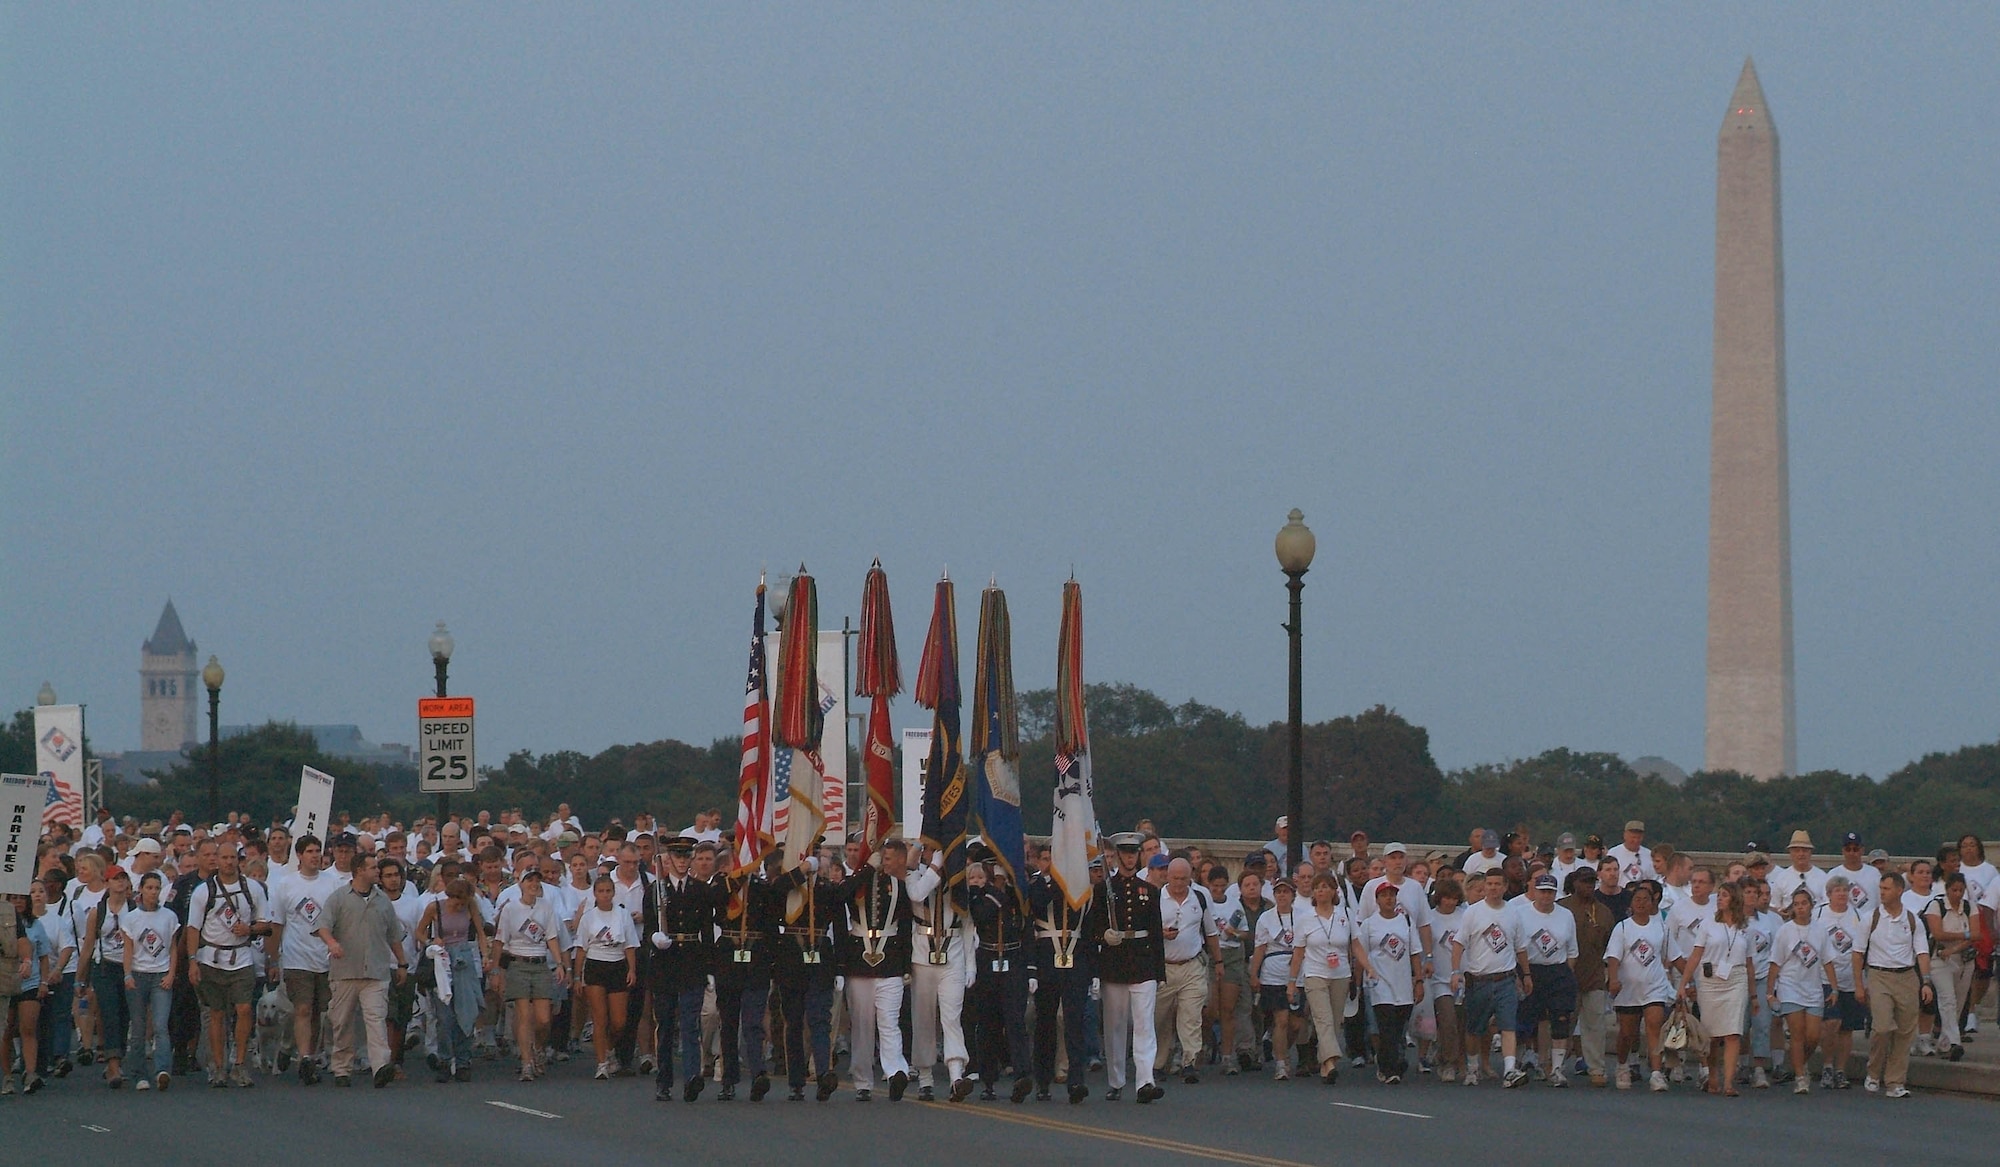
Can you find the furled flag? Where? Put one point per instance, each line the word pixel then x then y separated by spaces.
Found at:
pixel 754 834
pixel 995 754
pixel 798 720
pixel 881 678
pixel 1073 833
pixel 944 802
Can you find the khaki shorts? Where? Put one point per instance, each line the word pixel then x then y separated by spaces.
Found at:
pixel 311 992
pixel 226 988
pixel 530 980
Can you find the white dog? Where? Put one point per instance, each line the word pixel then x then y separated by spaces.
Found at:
pixel 274 1029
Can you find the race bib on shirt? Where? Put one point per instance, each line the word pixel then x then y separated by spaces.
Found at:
pixel 1843 941
pixel 1547 946
pixel 1495 939
pixel 1806 953
pixel 1393 947
pixel 1643 951
pixel 307 909
pixel 152 945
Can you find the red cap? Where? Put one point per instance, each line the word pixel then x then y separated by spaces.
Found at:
pixel 115 872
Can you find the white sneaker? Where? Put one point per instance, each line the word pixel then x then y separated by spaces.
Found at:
pixel 1799 1085
pixel 1282 1074
pixel 1760 1079
pixel 603 1071
pixel 1898 1092
pixel 1924 1046
pixel 1624 1079
pixel 1872 1085
pixel 1658 1083
pixel 1471 1078
pixel 1701 1077
pixel 1556 1078
pixel 142 1084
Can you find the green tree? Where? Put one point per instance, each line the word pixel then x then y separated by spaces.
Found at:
pixel 258 774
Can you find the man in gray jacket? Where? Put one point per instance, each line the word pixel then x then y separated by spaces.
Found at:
pixel 364 946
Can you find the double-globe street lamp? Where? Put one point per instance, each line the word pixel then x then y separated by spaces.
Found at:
pixel 1295 547
pixel 441 645
pixel 211 676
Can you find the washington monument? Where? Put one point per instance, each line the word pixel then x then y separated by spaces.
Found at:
pixel 1750 709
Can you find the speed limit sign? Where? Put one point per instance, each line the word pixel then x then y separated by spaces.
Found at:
pixel 444 726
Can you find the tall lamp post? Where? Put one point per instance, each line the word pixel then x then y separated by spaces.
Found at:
pixel 441 646
pixel 211 676
pixel 1295 555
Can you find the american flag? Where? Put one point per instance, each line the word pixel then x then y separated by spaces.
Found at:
pixel 781 793
pixel 64 806
pixel 754 794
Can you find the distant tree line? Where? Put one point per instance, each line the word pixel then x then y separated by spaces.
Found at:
pixel 1194 770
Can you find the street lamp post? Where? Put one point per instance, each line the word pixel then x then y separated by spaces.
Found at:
pixel 211 676
pixel 1295 547
pixel 441 646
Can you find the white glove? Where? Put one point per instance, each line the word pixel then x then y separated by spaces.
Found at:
pixel 662 941
pixel 1032 986
pixel 1096 989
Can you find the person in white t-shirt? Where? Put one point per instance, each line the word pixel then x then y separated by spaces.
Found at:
pixel 227 916
pixel 1271 968
pixel 149 975
pixel 1982 887
pixel 607 966
pixel 1411 895
pixel 1847 940
pixel 530 939
pixel 1549 935
pixel 1492 959
pixel 296 910
pixel 1799 986
pixel 1861 878
pixel 1637 960
pixel 1635 861
pixel 1799 873
pixel 1395 971
pixel 1567 862
pixel 1487 857
pixel 1323 965
pixel 1719 974
pixel 1691 913
pixel 1448 1048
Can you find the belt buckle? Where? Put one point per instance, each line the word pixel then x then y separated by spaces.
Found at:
pixel 939 957
pixel 873 958
pixel 1065 960
pixel 741 956
pixel 1000 966
pixel 810 956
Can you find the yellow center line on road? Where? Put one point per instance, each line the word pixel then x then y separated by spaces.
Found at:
pixel 1150 1142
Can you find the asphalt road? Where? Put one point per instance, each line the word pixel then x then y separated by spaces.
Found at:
pixel 568 1118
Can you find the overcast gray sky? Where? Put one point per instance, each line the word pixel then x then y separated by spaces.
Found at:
pixel 558 322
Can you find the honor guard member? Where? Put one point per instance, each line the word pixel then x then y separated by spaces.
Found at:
pixel 1061 979
pixel 755 908
pixel 1123 929
pixel 680 922
pixel 1000 984
pixel 803 966
pixel 940 955
pixel 875 957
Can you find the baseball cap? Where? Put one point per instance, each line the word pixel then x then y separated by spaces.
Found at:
pixel 146 847
pixel 1395 849
pixel 343 839
pixel 1158 860
pixel 1877 853
pixel 116 872
pixel 1593 840
pixel 1284 820
pixel 1545 880
pixel 1489 838
pixel 1635 825
pixel 1756 859
pixel 1851 839
pixel 1566 841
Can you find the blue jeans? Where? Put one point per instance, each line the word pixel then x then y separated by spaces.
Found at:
pixel 153 1005
pixel 684 1015
pixel 114 1010
pixel 1759 1025
pixel 58 1028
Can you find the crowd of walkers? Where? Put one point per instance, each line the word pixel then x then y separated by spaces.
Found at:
pixel 150 953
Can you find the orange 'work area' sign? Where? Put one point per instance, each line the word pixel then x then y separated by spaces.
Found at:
pixel 444 707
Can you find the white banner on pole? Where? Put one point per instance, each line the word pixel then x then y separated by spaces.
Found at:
pixel 832 677
pixel 315 809
pixel 916 751
pixel 22 797
pixel 59 758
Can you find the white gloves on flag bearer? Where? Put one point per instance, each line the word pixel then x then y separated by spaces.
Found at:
pixel 662 941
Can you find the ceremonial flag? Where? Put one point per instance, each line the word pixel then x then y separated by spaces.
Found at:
pixel 880 679
pixel 754 826
pixel 995 755
pixel 1073 834
pixel 59 758
pixel 798 720
pixel 944 773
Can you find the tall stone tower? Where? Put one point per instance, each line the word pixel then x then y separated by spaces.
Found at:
pixel 1750 708
pixel 169 684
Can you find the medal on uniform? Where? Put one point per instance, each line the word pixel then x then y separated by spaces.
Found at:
pixel 938 952
pixel 873 940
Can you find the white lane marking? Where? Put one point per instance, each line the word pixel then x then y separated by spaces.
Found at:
pixel 1382 1110
pixel 522 1110
pixel 102 1130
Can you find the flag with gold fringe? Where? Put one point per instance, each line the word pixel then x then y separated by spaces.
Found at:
pixel 880 679
pixel 944 801
pixel 798 720
pixel 994 754
pixel 1073 831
